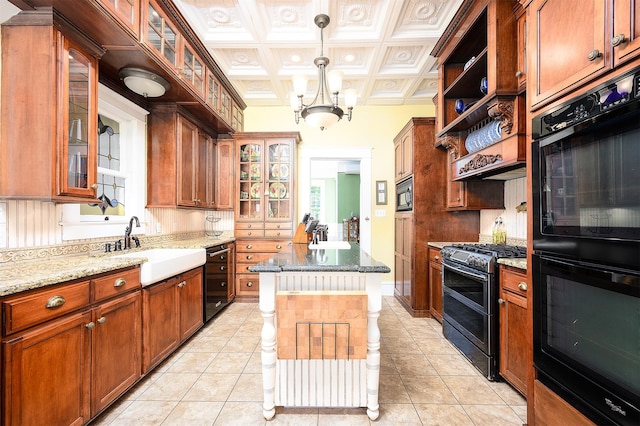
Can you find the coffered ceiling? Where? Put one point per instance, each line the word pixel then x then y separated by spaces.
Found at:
pixel 382 46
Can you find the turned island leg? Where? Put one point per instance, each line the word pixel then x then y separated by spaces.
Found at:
pixel 268 334
pixel 374 292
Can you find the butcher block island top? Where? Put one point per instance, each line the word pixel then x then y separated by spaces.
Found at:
pixel 320 337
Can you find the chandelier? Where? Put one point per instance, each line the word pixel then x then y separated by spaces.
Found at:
pixel 323 111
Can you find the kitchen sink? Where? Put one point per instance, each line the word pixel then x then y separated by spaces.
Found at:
pixel 163 263
pixel 340 245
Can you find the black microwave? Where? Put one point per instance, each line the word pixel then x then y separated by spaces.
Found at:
pixel 404 195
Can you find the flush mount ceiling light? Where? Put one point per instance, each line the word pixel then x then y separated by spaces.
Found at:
pixel 323 111
pixel 143 82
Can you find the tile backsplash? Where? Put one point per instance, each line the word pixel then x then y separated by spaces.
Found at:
pixel 515 193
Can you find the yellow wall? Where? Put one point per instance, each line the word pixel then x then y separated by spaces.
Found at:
pixel 371 126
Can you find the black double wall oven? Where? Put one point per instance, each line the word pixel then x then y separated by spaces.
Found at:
pixel 586 241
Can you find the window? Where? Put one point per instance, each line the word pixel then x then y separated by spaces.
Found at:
pixel 121 172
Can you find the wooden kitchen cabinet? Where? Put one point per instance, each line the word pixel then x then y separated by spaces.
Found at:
pixel 515 347
pixel 49 98
pixel 181 160
pixel 127 12
pixel 265 201
pixel 403 148
pixel 171 312
pixel 70 350
pixel 560 61
pixel 435 283
pixel 428 221
pixel 224 172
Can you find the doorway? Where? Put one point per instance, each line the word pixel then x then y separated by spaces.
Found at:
pixel 313 158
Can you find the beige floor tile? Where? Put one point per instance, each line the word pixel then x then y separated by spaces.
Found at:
pixel 248 388
pixel 343 417
pixel 392 389
pixel 294 416
pixel 521 411
pixel 492 415
pixel 236 413
pixel 472 390
pixel 438 346
pixel 229 362
pixel 111 413
pixel 254 366
pixel 209 343
pixel 413 364
pixel 169 387
pixel 195 413
pixel 397 414
pixel 241 344
pixel 144 413
pixel 452 365
pixel 443 415
pixel 508 393
pixel 212 387
pixel 387 366
pixel 428 390
pixel 192 362
pixel 403 345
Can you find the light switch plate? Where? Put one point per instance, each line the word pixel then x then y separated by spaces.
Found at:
pixel 381 212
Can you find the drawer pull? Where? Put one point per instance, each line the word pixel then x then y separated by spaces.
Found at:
pixel 223 284
pixel 102 320
pixel 249 246
pixel 249 257
pixel 522 286
pixel 249 284
pixel 278 246
pixel 55 302
pixel 437 257
pixel 501 301
pixel 222 268
pixel 90 325
pixel 120 282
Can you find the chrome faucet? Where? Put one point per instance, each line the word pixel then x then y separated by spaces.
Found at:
pixel 127 233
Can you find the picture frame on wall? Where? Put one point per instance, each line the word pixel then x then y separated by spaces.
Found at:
pixel 381 192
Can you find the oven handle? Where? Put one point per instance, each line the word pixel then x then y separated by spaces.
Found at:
pixel 479 277
pixel 215 253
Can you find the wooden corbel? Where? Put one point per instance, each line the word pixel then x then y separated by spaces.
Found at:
pixel 450 143
pixel 503 112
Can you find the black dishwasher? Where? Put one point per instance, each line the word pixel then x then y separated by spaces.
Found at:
pixel 218 288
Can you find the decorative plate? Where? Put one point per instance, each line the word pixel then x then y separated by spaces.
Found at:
pixel 280 171
pixel 255 190
pixel 255 171
pixel 277 190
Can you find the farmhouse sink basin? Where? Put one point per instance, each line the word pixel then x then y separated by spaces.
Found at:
pixel 163 263
pixel 340 245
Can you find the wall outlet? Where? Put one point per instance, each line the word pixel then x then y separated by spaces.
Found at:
pixel 381 212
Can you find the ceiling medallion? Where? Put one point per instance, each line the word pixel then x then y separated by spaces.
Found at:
pixel 323 111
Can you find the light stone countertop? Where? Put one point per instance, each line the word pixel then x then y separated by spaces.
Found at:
pixel 16 277
pixel 520 263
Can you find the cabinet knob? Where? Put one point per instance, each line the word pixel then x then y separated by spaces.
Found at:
pixel 223 284
pixel 278 246
pixel 437 257
pixel 618 40
pixel 222 268
pixel 501 301
pixel 182 284
pixel 90 325
pixel 593 55
pixel 522 286
pixel 249 257
pixel 102 320
pixel 94 186
pixel 249 284
pixel 55 302
pixel 120 282
pixel 249 246
pixel 519 74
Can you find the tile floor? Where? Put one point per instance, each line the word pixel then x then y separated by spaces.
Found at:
pixel 215 379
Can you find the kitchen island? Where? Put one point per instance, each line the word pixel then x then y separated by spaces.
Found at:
pixel 320 337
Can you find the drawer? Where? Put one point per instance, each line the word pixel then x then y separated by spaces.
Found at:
pixel 249 233
pixel 278 233
pixel 249 226
pixel 260 246
pixel 513 281
pixel 115 284
pixel 281 226
pixel 21 312
pixel 247 285
pixel 434 255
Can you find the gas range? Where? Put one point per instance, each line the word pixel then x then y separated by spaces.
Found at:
pixel 481 257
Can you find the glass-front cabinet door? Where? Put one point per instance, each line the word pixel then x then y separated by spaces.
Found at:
pixel 79 136
pixel 251 181
pixel 278 187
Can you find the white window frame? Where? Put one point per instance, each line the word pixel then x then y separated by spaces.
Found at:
pixel 133 137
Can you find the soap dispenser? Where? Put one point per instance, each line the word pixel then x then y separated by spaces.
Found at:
pixel 499 231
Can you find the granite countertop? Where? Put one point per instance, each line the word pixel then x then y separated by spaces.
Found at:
pixel 515 263
pixel 300 258
pixel 33 274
